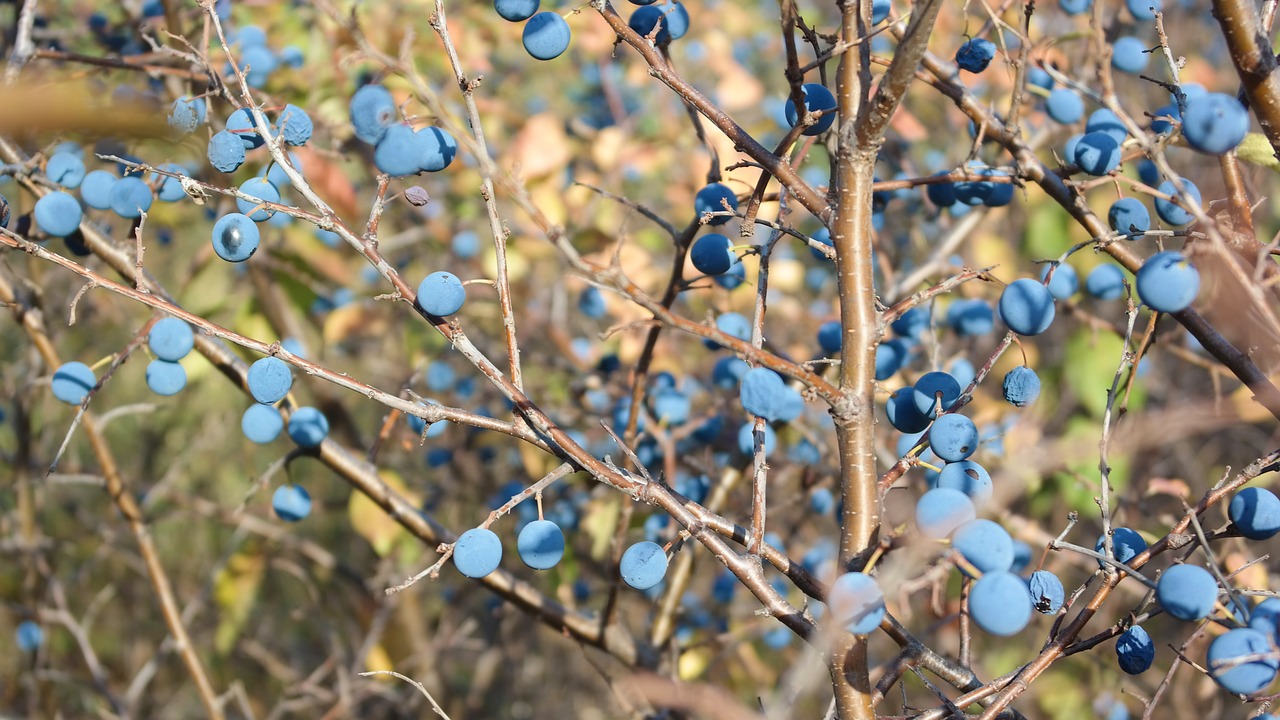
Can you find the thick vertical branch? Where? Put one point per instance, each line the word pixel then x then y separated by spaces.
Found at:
pixel 851 235
pixel 1254 61
pixel 861 131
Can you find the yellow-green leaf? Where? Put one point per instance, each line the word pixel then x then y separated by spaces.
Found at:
pixel 1256 150
pixel 235 591
pixel 372 523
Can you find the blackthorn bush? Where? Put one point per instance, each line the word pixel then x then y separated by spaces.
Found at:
pixel 544 407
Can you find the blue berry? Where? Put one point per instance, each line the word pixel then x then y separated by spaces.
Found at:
pixel 1047 593
pixel 275 174
pixel 941 510
pixel 372 110
pixel 1075 7
pixel 226 152
pixel 671 407
pixel 1106 282
pixel 130 197
pixel 541 544
pixel 1064 106
pixel 1097 153
pixel 436 148
pixel 186 114
pixel 398 153
pixel 1163 119
pixel 466 245
pixel 645 19
pixel 170 189
pixel 1129 216
pixel 292 56
pixel 733 324
pixel 733 279
pixel 308 427
pixel 912 324
pixel 1000 603
pixel 829 339
pixel 261 190
pixel 440 377
pixel 516 10
pixel 166 378
pixel 58 214
pixel 1104 121
pixel 546 35
pixel 765 394
pixel 1144 9
pixel 1176 214
pixel 643 565
pixel 591 302
pixel 243 127
pixel 72 381
pixel 1021 386
pixel 712 254
pixel 935 392
pixel 985 544
pixel 261 423
pixel 963 371
pixel 891 356
pixel 970 318
pixel 1064 283
pixel 1187 592
pixel 235 237
pixel 291 503
pixel 975 55
pixel 942 194
pixel 1129 55
pixel 29 636
pixel 295 125
pixel 1039 77
pixel 953 437
pixel 817 98
pixel 728 372
pixel 857 602
pixel 822 501
pixel 258 62
pixel 171 339
pixel 1215 123
pixel 1242 678
pixel 1135 651
pixel 902 412
pixel 1026 306
pixel 969 478
pixel 1167 283
pixel 269 380
pixel 250 36
pixel 1265 617
pixel 441 293
pixel 95 190
pixel 66 169
pixel 712 199
pixel 1021 556
pixel 1256 513
pixel 879 11
pixel 1125 543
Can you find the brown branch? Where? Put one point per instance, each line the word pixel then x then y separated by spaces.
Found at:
pixel 894 83
pixel 1254 61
